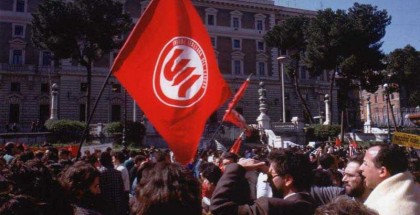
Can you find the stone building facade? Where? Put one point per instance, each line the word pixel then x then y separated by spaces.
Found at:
pixel 236 28
pixel 378 109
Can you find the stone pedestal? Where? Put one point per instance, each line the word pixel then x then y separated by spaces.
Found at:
pixel 54 102
pixel 327 110
pixel 367 128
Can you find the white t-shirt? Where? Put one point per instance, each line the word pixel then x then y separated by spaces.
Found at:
pixel 125 176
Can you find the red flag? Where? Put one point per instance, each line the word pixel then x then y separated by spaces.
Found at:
pixel 236 118
pixel 237 96
pixel 337 142
pixel 237 145
pixel 168 66
pixel 353 143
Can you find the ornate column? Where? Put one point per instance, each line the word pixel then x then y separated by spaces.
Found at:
pixel 54 102
pixel 263 119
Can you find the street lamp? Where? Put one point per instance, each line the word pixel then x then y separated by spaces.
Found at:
pixel 281 59
pixel 387 113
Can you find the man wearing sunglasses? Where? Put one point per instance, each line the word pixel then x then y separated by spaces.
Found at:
pixel 290 177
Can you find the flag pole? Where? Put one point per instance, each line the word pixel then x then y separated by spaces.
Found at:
pixel 217 131
pixel 86 131
pixel 235 97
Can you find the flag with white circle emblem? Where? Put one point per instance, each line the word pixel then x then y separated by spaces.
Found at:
pixel 168 66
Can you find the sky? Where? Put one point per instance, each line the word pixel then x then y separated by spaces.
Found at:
pixel 405 24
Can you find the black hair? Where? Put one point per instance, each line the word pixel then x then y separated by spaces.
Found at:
pixel 295 164
pixel 211 172
pixel 392 157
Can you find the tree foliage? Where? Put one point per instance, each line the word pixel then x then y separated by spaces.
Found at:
pixel 290 36
pixel 403 67
pixel 81 30
pixel 349 43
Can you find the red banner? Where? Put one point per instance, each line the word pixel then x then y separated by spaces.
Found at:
pixel 237 97
pixel 168 66
pixel 237 145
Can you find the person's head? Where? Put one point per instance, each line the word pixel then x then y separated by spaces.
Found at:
pixel 326 161
pixel 139 159
pixel 162 156
pixel 354 181
pixel 51 154
pixel 381 162
pixel 344 206
pixel 289 172
pixel 20 204
pixel 118 157
pixel 106 160
pixel 32 178
pixel 228 158
pixel 209 176
pixel 10 148
pixel 210 172
pixel 169 188
pixel 64 154
pixel 80 180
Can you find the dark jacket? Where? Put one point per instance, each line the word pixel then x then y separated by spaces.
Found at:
pixel 230 198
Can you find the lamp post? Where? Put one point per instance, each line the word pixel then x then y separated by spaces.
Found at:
pixel 281 59
pixel 387 113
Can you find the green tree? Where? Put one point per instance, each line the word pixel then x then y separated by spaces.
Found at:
pixel 348 44
pixel 290 36
pixel 403 67
pixel 81 30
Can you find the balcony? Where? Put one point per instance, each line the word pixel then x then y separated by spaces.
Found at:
pixel 25 68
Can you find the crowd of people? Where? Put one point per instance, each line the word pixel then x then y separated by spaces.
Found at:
pixel 380 179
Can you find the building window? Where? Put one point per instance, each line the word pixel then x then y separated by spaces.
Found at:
pixel 20 5
pixel 44 113
pixel 46 58
pixel 116 88
pixel 14 113
pixel 18 31
pixel 376 98
pixel 237 67
pixel 45 88
pixel 17 57
pixel 115 113
pixel 210 19
pixel 82 112
pixel 15 87
pixel 211 16
pixel 259 22
pixel 391 96
pixel 235 22
pixel 83 87
pixel 260 25
pixel 260 46
pixel 261 69
pixel 236 44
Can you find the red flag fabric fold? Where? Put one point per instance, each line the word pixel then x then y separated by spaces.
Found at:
pixel 168 66
pixel 237 145
pixel 237 97
pixel 236 118
pixel 353 143
pixel 337 142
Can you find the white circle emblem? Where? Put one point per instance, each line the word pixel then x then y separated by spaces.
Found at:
pixel 181 73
